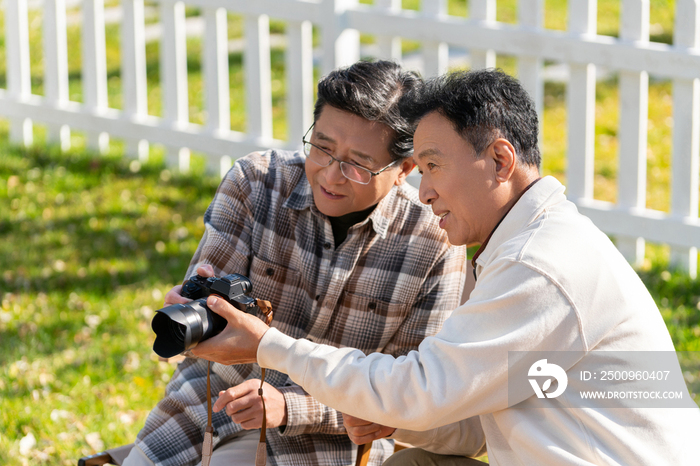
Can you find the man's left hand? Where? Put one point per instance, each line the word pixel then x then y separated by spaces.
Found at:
pixel 244 405
pixel 362 432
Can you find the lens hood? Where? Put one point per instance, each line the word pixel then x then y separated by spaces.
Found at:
pixel 178 328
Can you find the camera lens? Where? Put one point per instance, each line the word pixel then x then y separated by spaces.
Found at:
pixel 177 331
pixel 182 326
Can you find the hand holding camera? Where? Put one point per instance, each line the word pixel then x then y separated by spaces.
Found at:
pixel 209 305
pixel 174 296
pixel 181 326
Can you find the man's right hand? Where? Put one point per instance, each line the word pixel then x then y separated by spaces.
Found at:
pixel 362 432
pixel 174 297
pixel 238 342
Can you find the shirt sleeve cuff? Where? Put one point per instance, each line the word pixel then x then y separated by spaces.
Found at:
pixel 301 414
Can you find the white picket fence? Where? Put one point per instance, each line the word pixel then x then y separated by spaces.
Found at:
pixel 631 55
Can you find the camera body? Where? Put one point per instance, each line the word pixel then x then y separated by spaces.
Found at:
pixel 180 327
pixel 234 288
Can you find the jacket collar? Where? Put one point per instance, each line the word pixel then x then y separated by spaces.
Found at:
pixel 546 192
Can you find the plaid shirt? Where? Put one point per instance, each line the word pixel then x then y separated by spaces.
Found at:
pixel 392 282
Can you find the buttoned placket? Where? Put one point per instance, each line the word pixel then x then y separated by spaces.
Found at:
pixel 341 261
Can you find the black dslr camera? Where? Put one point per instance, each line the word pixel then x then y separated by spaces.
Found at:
pixel 180 327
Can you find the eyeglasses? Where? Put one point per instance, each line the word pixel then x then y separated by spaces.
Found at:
pixel 349 170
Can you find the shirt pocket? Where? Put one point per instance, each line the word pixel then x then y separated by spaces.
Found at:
pixel 282 286
pixel 365 322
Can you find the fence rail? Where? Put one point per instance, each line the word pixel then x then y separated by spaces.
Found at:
pixel 632 55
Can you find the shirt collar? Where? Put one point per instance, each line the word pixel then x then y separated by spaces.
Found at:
pixel 302 197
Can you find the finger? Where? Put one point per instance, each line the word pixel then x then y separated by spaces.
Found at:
pixel 251 416
pixel 361 440
pixel 255 423
pixel 205 270
pixel 234 393
pixel 236 411
pixel 238 342
pixel 174 297
pixel 353 421
pixel 361 431
pixel 242 404
pixel 223 308
pixel 225 397
pixel 382 432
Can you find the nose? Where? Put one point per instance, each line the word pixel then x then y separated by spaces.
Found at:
pixel 333 173
pixel 426 193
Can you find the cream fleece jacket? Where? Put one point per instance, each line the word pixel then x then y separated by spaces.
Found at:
pixel 548 280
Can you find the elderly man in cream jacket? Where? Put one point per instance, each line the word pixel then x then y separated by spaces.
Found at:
pixel 548 282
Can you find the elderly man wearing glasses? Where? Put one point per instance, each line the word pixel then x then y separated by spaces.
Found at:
pixel 346 254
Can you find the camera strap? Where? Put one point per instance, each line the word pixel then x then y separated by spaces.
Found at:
pixel 208 444
pixel 261 453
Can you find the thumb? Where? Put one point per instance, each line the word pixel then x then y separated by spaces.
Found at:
pixel 205 270
pixel 221 307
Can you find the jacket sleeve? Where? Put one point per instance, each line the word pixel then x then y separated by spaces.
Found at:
pixel 459 373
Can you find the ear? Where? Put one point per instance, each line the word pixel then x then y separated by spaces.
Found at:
pixel 505 159
pixel 406 168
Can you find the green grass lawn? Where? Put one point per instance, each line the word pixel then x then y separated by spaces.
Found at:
pixel 90 244
pixel 88 248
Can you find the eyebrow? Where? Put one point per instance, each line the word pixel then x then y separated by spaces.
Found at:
pixel 361 155
pixel 427 153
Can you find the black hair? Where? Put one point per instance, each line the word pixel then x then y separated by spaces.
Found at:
pixel 483 105
pixel 372 90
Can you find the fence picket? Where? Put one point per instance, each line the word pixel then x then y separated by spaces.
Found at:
pixel 389 46
pixel 436 53
pixel 134 82
pixel 18 70
pixel 634 98
pixel 530 15
pixel 685 155
pixel 216 70
pixel 580 95
pixel 56 67
pixel 300 77
pixel 173 76
pixel 483 10
pixel 258 76
pixel 94 68
pixel 215 65
pixel 341 45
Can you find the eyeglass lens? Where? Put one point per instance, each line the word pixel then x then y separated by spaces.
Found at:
pixel 350 171
pixel 354 173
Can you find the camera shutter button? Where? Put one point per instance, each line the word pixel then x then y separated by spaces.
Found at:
pixel 270 271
